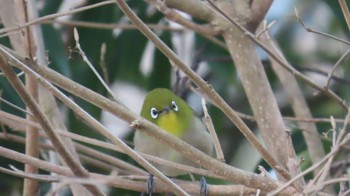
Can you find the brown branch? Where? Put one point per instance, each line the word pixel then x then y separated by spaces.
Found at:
pixel 103 65
pixel 52 16
pixel 341 141
pixel 14 106
pixel 308 29
pixel 225 171
pixel 115 181
pixel 193 7
pixel 96 25
pixel 258 10
pixel 340 60
pixel 204 87
pixel 110 163
pixel 99 127
pixel 297 101
pixel 291 69
pixel 109 159
pixel 30 186
pixel 345 10
pixel 257 88
pixel 77 169
pixel 174 16
pixel 210 126
pixel 26 175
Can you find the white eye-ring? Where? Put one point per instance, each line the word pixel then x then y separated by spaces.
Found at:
pixel 175 108
pixel 154 113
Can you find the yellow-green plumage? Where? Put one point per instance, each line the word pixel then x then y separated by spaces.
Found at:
pixel 165 109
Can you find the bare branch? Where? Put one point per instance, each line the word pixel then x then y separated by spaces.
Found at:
pixel 210 126
pixel 219 168
pixel 52 16
pixel 345 10
pixel 41 118
pixel 297 101
pixel 308 29
pixel 341 59
pixel 207 89
pixel 291 69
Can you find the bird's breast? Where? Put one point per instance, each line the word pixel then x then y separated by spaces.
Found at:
pixel 171 123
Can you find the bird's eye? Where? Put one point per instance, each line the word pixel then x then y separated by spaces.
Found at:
pixel 175 108
pixel 154 113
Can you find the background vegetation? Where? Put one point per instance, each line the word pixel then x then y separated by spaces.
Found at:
pixel 313 101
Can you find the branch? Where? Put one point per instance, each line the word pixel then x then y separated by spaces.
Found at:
pixel 345 10
pixel 95 124
pixel 204 87
pixel 77 169
pixel 123 182
pixel 219 168
pixel 291 69
pixel 52 16
pixel 258 10
pixel 297 101
pixel 308 29
pixel 211 129
pixel 330 74
pixel 193 7
pixel 174 16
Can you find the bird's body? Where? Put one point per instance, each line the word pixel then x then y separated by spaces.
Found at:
pixel 165 109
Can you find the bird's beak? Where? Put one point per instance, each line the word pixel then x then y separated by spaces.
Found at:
pixel 166 109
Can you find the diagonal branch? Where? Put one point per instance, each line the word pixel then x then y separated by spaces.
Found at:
pixel 205 88
pixel 227 172
pixel 289 68
pixel 76 168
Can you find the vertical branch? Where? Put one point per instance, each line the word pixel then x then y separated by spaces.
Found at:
pixel 259 93
pixel 298 102
pixel 256 85
pixel 211 129
pixel 45 99
pixel 32 134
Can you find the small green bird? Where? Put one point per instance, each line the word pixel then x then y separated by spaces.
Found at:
pixel 170 112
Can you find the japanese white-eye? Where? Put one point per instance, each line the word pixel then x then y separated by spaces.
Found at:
pixel 170 112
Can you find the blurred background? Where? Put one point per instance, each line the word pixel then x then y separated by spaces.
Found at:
pixel 133 67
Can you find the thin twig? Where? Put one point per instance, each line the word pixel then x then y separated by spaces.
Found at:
pixel 86 60
pixel 18 173
pixel 112 26
pixel 15 106
pixel 210 126
pixel 65 154
pixel 291 69
pixel 103 62
pixel 308 170
pixel 266 28
pixel 52 16
pixel 308 29
pixel 329 156
pixel 330 74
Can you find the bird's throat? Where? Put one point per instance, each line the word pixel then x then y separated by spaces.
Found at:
pixel 171 123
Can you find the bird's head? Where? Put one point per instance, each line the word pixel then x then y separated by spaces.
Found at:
pixel 168 111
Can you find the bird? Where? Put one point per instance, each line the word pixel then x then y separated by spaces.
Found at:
pixel 168 111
